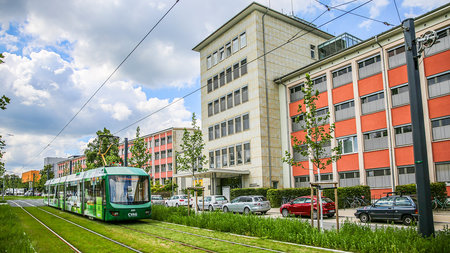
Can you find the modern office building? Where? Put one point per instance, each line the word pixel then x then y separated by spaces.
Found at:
pixel 365 89
pixel 240 101
pixel 162 146
pixel 30 176
pixel 70 165
pixel 54 162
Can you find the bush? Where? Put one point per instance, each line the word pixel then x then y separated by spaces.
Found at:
pixel 438 189
pixel 275 196
pixel 349 192
pixel 248 191
pixel 351 237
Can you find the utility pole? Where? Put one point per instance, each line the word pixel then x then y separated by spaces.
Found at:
pixel 32 186
pixel 426 225
pixel 125 160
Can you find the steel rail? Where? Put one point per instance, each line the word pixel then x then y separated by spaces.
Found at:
pixel 53 232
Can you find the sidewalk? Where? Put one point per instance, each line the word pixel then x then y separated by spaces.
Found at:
pixel 438 216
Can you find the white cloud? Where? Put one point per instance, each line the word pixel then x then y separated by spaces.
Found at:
pixel 425 5
pixel 375 9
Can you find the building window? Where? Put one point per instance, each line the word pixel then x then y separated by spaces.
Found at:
pixel 210 88
pixel 320 83
pixel 156 155
pixel 348 144
pixel 231 155
pixel 238 124
pixel 297 123
pixel 239 154
pixel 247 152
pixel 322 113
pixel 228 49
pixel 222 78
pixel 313 51
pixel 439 85
pixel 443 172
pixel 246 121
pixel 163 141
pixel 216 82
pixel 406 175
pixel 400 95
pixel 223 106
pixel 376 140
pixel 296 92
pixel 163 154
pixel 223 129
pixel 236 71
pixel 156 142
pixel 235 45
pixel 211 159
pixel 403 135
pixel 229 100
pixel 215 58
pixel 221 54
pixel 156 168
pixel 342 76
pixel 217 158
pixel 379 178
pixel 237 97
pixel 216 106
pixel 397 57
pixel 324 177
pixel 169 139
pixel 350 178
pixel 244 94
pixel 345 110
pixel 298 157
pixel 163 168
pixel 216 131
pixel 442 43
pixel 169 153
pixel 243 40
pixel 301 181
pixel 243 67
pixel 211 133
pixel 369 67
pixel 228 75
pixel 441 128
pixel 224 157
pixel 230 127
pixel 169 166
pixel 210 109
pixel 372 103
pixel 208 62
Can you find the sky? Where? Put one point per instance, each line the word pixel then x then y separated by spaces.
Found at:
pixel 58 53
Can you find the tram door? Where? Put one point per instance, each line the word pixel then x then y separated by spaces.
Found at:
pixel 94 191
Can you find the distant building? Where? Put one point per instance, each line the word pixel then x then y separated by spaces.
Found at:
pixel 54 162
pixel 30 176
pixel 70 165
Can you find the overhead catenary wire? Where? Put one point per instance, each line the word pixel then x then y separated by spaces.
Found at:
pixel 398 13
pixel 258 57
pixel 108 78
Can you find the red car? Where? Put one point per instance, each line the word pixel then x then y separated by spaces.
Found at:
pixel 301 206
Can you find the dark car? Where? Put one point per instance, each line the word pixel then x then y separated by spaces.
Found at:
pixel 391 208
pixel 301 206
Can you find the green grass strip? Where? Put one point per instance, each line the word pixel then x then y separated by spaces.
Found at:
pixel 352 237
pixel 12 234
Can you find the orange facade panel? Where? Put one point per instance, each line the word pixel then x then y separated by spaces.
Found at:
pixel 345 127
pixel 398 76
pixel 299 171
pixel 378 193
pixel 348 163
pixel 300 135
pixel 370 84
pixel 343 93
pixel 373 121
pixel 401 115
pixel 439 107
pixel 441 151
pixel 437 63
pixel 328 169
pixel 28 176
pixel 293 107
pixel 322 100
pixel 376 159
pixel 404 156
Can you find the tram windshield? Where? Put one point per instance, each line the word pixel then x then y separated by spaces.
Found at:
pixel 128 190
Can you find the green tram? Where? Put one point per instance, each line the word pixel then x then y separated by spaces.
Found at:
pixel 107 193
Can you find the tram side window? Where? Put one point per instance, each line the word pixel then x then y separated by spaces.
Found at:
pixel 89 200
pixel 99 192
pixel 71 194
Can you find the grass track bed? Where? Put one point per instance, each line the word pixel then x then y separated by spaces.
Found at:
pixel 13 236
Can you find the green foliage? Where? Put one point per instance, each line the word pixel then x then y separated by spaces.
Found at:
pixel 191 157
pixel 12 234
pixel 275 196
pixel 107 145
pixel 139 153
pixel 4 100
pixel 438 189
pixel 234 193
pixel 163 189
pixel 349 192
pixel 47 168
pixel 351 237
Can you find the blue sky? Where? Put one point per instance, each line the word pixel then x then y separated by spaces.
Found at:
pixel 57 53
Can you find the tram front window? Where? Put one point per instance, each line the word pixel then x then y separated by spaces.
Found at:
pixel 128 190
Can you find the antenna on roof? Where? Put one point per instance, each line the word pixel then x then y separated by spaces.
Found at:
pixel 292 7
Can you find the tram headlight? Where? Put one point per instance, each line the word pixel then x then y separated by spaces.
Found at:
pixel 114 213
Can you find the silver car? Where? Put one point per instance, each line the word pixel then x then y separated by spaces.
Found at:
pixel 157 200
pixel 248 204
pixel 214 202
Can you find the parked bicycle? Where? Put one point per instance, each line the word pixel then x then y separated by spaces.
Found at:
pixel 287 199
pixel 443 203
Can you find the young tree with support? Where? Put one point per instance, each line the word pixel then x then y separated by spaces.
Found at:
pixel 139 152
pixel 103 150
pixel 317 138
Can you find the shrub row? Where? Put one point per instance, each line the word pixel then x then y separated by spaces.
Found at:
pixel 248 191
pixel 275 196
pixel 351 237
pixel 438 189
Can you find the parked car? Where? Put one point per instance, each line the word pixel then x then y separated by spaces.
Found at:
pixel 390 208
pixel 301 206
pixel 179 200
pixel 247 204
pixel 157 200
pixel 214 202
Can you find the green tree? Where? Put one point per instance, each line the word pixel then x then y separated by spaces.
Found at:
pixel 191 157
pixel 105 143
pixel 318 135
pixel 4 100
pixel 139 153
pixel 47 169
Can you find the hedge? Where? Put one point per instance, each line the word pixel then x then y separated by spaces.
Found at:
pixel 275 196
pixel 234 193
pixel 438 189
